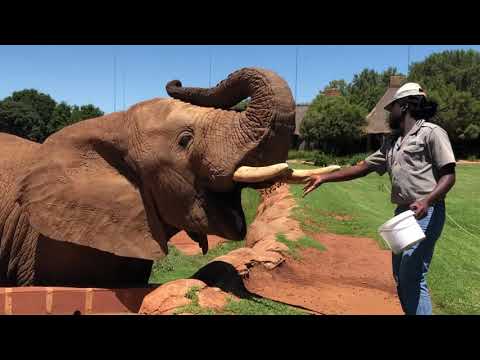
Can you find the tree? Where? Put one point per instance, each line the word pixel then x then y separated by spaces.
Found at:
pixel 35 116
pixel 25 103
pixel 368 87
pixel 61 117
pixel 18 118
pixel 41 103
pixel 458 68
pixel 84 112
pixel 452 78
pixel 337 124
pixel 333 123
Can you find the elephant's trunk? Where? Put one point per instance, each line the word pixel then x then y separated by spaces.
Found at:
pixel 258 136
pixel 271 106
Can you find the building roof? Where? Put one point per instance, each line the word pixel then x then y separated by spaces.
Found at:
pixel 300 111
pixel 377 118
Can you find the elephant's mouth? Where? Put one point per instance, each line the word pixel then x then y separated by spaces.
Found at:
pixel 225 214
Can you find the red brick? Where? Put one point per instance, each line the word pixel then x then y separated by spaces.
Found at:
pixel 106 301
pixel 66 301
pixel 132 298
pixel 28 301
pixel 2 301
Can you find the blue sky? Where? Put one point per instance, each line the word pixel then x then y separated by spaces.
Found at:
pixel 84 74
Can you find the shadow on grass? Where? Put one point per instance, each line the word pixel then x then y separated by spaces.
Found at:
pixel 224 276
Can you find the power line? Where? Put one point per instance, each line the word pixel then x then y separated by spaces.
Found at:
pixel 114 81
pixel 296 73
pixel 210 68
pixel 123 80
pixel 408 65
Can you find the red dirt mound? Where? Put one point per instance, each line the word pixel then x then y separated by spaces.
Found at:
pixel 353 276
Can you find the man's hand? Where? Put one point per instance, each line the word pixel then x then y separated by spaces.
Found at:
pixel 420 208
pixel 346 174
pixel 312 183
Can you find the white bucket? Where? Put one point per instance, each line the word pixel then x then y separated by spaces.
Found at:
pixel 402 232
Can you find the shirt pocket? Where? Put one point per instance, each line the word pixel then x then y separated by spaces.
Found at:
pixel 414 154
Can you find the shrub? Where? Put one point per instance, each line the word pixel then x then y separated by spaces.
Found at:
pixel 301 155
pixel 323 159
pixel 333 123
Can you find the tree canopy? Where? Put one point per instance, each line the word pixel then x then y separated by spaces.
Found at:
pixel 336 123
pixel 20 119
pixel 35 116
pixel 452 78
pixel 366 87
pixel 333 123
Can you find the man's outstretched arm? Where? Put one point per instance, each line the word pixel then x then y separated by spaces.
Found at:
pixel 346 174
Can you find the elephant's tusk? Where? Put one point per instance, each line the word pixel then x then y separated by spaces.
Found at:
pixel 280 172
pixel 249 174
pixel 298 176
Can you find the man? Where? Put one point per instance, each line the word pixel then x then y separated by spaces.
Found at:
pixel 418 157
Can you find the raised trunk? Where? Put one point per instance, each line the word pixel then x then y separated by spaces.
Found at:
pixel 258 136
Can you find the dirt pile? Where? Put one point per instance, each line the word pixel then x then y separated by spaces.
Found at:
pixel 352 276
pixel 273 217
pixel 175 295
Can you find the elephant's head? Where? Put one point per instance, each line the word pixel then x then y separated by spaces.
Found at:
pixel 126 182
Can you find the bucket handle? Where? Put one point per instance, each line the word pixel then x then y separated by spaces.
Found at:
pixel 391 230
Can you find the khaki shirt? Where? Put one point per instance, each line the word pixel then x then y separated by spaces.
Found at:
pixel 414 163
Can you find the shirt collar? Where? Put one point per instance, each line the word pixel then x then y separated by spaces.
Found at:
pixel 401 140
pixel 416 127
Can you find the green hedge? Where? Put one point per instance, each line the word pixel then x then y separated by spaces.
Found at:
pixel 301 155
pixel 324 159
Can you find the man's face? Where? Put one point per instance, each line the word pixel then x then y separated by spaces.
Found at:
pixel 395 118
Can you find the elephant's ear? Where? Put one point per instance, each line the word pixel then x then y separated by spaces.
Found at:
pixel 77 194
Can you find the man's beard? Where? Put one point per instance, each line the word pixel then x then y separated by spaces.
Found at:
pixel 394 121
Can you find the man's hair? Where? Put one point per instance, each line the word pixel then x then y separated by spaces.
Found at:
pixel 419 107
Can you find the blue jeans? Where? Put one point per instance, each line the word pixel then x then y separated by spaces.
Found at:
pixel 410 267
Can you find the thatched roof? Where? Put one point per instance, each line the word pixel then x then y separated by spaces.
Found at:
pixel 377 118
pixel 300 111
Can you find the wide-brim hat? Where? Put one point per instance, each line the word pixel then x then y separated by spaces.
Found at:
pixel 409 89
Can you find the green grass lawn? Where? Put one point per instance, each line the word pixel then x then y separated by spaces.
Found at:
pixel 178 266
pixel 251 306
pixel 454 276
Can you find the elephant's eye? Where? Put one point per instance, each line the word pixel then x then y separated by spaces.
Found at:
pixel 185 140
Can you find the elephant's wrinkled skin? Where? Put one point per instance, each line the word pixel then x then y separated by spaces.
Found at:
pixel 97 202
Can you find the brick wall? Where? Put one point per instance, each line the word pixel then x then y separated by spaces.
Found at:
pixel 66 301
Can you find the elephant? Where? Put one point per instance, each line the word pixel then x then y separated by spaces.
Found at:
pixel 97 202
